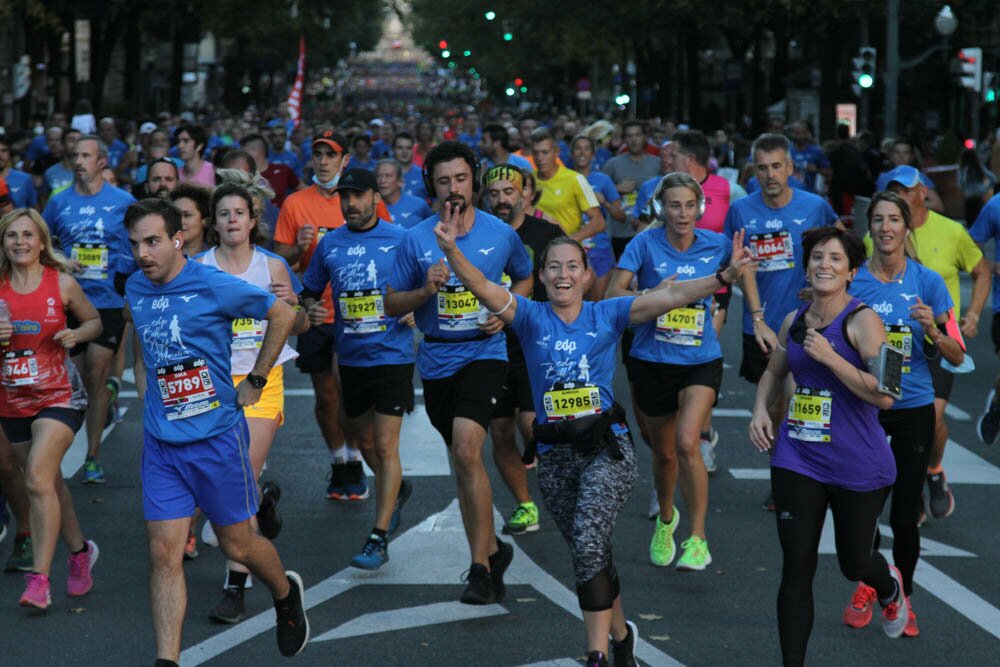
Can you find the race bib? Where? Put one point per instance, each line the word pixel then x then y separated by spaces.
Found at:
pixel 901 337
pixel 571 400
pixel 809 414
pixel 682 326
pixel 362 311
pixel 322 231
pixel 94 259
pixel 20 368
pixel 248 333
pixel 629 199
pixel 773 251
pixel 458 309
pixel 186 389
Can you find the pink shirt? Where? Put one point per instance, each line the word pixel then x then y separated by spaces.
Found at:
pixel 205 175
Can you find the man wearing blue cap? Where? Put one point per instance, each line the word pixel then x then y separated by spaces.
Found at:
pixel 946 247
pixel 904 153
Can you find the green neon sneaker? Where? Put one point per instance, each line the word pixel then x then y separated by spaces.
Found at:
pixel 93 473
pixel 23 557
pixel 662 548
pixel 696 556
pixel 523 520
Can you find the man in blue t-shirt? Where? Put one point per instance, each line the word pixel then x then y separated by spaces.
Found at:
pixel 413 177
pixel 22 190
pixel 279 152
pixel 87 221
pixel 374 351
pixel 809 159
pixel 986 227
pixel 116 147
pixel 774 219
pixel 196 450
pixel 406 210
pixel 494 147
pixel 463 357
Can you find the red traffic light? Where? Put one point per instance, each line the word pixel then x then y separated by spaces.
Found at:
pixel 519 81
pixel 443 44
pixel 969 143
pixel 964 56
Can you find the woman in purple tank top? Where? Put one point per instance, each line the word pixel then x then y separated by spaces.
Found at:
pixel 830 452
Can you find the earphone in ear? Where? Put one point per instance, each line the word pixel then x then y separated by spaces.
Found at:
pixel 177 244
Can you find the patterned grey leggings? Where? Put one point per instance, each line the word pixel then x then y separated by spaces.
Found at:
pixel 585 494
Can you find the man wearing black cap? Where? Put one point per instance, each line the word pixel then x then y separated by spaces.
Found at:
pixel 305 218
pixel 374 351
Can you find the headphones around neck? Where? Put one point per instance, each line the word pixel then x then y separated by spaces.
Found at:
pixel 676 179
pixel 443 152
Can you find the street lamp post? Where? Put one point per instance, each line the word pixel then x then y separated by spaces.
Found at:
pixel 945 24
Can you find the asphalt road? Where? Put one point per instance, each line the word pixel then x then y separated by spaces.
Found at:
pixel 408 613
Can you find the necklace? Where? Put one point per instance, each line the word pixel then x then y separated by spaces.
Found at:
pixel 898 278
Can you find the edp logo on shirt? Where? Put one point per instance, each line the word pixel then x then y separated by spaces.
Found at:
pixel 685 270
pixel 566 346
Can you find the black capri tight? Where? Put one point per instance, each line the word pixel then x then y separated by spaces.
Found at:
pixel 911 433
pixel 585 494
pixel 800 508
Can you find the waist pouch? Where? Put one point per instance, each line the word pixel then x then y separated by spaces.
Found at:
pixel 588 435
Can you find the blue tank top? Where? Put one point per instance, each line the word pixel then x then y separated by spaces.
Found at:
pixel 829 433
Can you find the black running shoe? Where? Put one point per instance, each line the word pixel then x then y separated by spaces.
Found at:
pixel 231 609
pixel 596 659
pixel 293 625
pixel 268 519
pixel 624 651
pixel 479 588
pixel 499 562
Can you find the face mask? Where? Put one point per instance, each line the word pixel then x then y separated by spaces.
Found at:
pixel 328 185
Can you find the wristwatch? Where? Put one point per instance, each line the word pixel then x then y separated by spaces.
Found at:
pixel 257 381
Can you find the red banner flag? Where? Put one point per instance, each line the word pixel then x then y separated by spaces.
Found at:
pixel 295 96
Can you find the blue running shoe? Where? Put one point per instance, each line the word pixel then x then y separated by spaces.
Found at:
pixel 374 555
pixel 93 473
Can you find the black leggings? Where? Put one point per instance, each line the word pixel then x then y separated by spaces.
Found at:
pixel 911 432
pixel 800 508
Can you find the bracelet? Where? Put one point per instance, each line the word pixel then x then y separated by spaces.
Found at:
pixel 758 311
pixel 510 300
pixel 723 281
pixel 755 320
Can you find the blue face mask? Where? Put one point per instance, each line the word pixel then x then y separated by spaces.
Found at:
pixel 328 185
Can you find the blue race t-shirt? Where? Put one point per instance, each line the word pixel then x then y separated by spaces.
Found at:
pixel 288 158
pixel 684 335
pixel 116 151
pixel 356 265
pixel 142 173
pixel 91 230
pixel 22 190
pixel 987 227
pixel 185 330
pixel 644 194
pixel 57 177
pixel 409 210
pixel 600 244
pixel 452 313
pixel 809 155
pixel 774 236
pixel 413 182
pixel 892 301
pixel 571 367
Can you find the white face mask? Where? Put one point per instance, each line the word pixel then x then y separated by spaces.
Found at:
pixel 328 185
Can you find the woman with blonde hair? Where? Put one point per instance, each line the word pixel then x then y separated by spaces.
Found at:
pixel 42 399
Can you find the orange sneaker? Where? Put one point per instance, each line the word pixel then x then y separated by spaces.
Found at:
pixel 858 614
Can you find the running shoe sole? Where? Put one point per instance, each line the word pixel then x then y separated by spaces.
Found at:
pixel 982 418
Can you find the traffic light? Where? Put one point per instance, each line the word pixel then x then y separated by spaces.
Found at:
pixel 490 15
pixel 864 67
pixel 518 81
pixel 970 62
pixel 990 87
pixel 443 44
pixel 508 31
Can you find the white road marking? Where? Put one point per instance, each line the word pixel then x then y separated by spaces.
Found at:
pixel 432 553
pixel 77 452
pixel 565 662
pixel 410 617
pixel 960 464
pixel 731 412
pixel 956 413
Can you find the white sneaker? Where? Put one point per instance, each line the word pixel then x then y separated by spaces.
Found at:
pixel 897 613
pixel 708 456
pixel 208 535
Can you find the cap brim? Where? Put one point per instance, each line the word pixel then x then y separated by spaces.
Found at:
pixel 331 143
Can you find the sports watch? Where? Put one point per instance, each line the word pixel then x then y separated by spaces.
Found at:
pixel 257 381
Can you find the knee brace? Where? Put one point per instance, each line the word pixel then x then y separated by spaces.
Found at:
pixel 599 593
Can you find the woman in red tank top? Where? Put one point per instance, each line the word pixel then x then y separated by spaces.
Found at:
pixel 42 401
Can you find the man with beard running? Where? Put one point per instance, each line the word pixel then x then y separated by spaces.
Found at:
pixel 463 357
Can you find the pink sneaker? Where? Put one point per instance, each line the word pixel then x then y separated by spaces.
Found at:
pixel 80 565
pixel 36 592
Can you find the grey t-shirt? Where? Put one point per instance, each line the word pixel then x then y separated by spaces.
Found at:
pixel 624 168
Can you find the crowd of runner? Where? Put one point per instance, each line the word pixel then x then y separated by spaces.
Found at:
pixel 508 261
